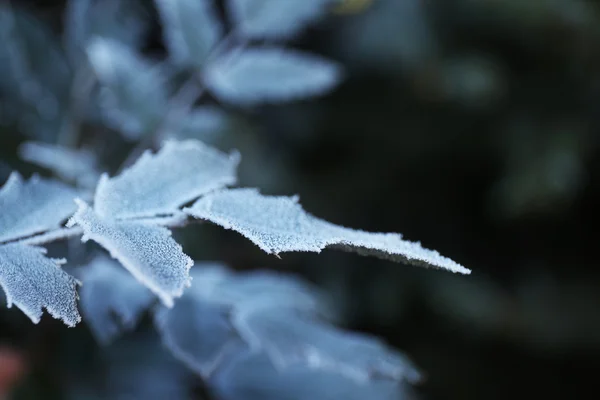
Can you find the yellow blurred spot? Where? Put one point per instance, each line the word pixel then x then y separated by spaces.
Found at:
pixel 351 6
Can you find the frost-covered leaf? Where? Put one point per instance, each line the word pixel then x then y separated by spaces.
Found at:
pixel 269 74
pixel 279 224
pixel 111 299
pixel 122 21
pixel 191 29
pixel 252 376
pixel 71 165
pixel 133 96
pixel 146 250
pixel 160 183
pixel 276 19
pixel 33 206
pixel 291 338
pixel 33 282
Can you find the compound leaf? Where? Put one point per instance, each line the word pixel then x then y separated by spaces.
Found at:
pixel 275 19
pixel 191 29
pixel 111 299
pixel 33 206
pixel 279 224
pixel 33 282
pixel 160 183
pixel 148 251
pixel 269 74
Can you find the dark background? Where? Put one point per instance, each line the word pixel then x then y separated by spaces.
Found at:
pixel 471 126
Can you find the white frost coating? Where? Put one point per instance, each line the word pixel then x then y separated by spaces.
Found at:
pixel 33 206
pixel 71 165
pixel 290 338
pixel 33 282
pixel 270 74
pixel 191 29
pixel 147 251
pixel 111 299
pixel 276 19
pixel 134 95
pixel 278 224
pixel 160 183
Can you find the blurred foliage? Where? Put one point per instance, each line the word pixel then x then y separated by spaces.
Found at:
pixel 469 124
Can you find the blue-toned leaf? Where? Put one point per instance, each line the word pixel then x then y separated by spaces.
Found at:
pixel 34 282
pixel 276 19
pixel 292 338
pixel 139 367
pixel 269 74
pixel 147 251
pixel 70 165
pixel 133 95
pixel 160 183
pixel 278 224
pixel 33 206
pixel 252 376
pixel 123 21
pixel 111 299
pixel 191 29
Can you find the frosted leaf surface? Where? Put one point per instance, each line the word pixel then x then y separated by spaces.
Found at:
pixel 111 299
pixel 278 224
pixel 68 164
pixel 207 124
pixel 191 29
pixel 275 19
pixel 32 282
pixel 251 376
pixel 291 338
pixel 133 96
pixel 160 183
pixel 33 206
pixel 269 74
pixel 147 251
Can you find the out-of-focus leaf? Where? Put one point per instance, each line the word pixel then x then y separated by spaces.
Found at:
pixel 276 19
pixel 147 251
pixel 34 72
pixel 160 183
pixel 33 206
pixel 191 29
pixel 71 165
pixel 139 367
pixel 279 224
pixel 133 96
pixel 33 282
pixel 123 21
pixel 269 74
pixel 291 338
pixel 207 124
pixel 111 299
pixel 252 376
